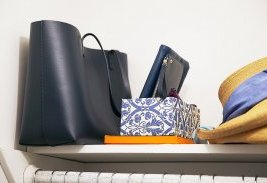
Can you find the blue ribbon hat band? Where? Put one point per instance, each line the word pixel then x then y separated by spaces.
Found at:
pixel 245 96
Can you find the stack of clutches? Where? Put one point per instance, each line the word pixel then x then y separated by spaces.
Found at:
pixel 159 116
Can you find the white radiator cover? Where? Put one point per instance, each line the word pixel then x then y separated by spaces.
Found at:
pixel 33 174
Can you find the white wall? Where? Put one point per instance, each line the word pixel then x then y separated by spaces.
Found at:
pixel 215 36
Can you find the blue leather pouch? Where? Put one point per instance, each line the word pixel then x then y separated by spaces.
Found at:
pixel 152 78
pixel 168 71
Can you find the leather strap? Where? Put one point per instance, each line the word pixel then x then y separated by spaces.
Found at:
pixel 115 109
pixel 125 81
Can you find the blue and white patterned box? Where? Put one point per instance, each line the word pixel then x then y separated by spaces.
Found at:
pixel 155 116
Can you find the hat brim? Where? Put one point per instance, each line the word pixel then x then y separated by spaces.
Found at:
pixel 256 117
pixel 256 136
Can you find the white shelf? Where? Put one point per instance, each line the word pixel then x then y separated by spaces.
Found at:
pixel 157 153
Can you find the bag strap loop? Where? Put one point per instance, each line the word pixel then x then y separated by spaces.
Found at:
pixel 117 111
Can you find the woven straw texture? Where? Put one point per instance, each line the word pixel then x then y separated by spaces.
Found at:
pixel 250 127
pixel 233 81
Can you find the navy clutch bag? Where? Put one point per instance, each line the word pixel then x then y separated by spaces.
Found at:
pixel 152 78
pixel 168 71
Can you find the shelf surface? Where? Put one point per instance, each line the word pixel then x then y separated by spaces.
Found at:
pixel 157 153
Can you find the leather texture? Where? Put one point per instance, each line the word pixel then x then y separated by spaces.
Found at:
pixel 170 75
pixel 153 75
pixel 68 93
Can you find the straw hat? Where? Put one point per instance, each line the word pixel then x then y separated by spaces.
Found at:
pixel 250 127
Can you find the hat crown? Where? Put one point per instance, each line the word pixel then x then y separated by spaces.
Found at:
pixel 229 85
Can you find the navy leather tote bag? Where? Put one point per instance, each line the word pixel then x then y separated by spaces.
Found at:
pixel 73 93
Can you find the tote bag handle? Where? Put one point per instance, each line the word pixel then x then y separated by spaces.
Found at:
pixel 115 109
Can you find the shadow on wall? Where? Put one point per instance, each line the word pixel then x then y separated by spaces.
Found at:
pixel 23 62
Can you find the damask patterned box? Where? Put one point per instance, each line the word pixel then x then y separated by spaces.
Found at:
pixel 155 116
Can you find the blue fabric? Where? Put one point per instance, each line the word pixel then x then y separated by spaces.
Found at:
pixel 245 96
